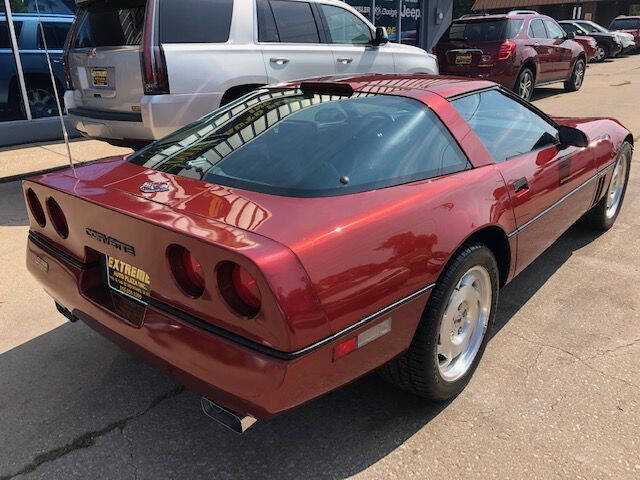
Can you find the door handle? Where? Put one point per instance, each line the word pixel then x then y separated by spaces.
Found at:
pixel 345 61
pixel 520 185
pixel 279 60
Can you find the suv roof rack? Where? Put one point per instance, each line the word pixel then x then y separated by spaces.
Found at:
pixel 523 12
pixel 471 15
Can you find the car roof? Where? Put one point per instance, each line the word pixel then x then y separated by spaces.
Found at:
pixel 409 85
pixel 501 16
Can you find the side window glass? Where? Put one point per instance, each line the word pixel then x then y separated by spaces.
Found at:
pixel 267 31
pixel 344 27
pixel 55 33
pixel 554 30
pixel 536 29
pixel 569 28
pixel 505 127
pixel 5 39
pixel 295 22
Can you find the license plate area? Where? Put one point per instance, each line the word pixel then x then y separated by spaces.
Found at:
pixel 100 77
pixel 128 280
pixel 463 59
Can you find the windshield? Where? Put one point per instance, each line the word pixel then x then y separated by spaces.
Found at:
pixel 625 24
pixel 288 143
pixel 594 27
pixel 484 31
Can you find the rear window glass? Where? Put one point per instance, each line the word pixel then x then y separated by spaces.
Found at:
pixel 195 21
pixel 118 23
pixel 5 41
pixel 625 24
pixel 55 34
pixel 484 31
pixel 288 143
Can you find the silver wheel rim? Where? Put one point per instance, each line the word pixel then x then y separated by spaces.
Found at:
pixel 616 187
pixel 524 88
pixel 464 324
pixel 41 102
pixel 579 75
pixel 599 53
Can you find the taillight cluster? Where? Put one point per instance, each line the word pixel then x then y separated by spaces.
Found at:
pixel 55 213
pixel 506 50
pixel 154 68
pixel 237 286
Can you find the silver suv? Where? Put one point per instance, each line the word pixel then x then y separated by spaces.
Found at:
pixel 136 70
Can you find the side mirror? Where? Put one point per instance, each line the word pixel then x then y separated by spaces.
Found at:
pixel 570 35
pixel 572 136
pixel 381 37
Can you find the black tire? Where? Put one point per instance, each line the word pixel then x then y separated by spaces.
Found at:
pixel 417 370
pixel 602 53
pixel 600 217
pixel 577 76
pixel 525 77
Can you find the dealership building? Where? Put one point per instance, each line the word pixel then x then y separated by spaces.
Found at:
pixel 27 104
pixel 599 11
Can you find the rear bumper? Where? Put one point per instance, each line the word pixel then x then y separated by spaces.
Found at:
pixel 159 116
pixel 232 374
pixel 505 74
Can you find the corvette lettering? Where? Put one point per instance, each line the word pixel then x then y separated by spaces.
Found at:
pixel 113 242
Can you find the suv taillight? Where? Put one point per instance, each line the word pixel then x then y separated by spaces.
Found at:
pixel 506 50
pixel 154 68
pixel 71 38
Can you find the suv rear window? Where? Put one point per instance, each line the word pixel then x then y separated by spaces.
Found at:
pixel 288 143
pixel 625 24
pixel 484 31
pixel 114 24
pixel 195 21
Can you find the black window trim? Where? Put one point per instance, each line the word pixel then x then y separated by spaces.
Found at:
pixel 317 21
pixel 509 94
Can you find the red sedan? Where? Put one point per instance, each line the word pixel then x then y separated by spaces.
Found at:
pixel 307 234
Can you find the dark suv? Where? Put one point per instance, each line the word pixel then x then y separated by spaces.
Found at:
pixel 34 62
pixel 519 51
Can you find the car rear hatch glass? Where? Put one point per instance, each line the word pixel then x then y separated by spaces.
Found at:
pixel 465 42
pixel 104 56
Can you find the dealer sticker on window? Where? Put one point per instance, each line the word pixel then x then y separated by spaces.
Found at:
pixel 128 279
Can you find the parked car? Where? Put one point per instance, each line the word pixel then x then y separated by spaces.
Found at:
pixel 271 251
pixel 626 39
pixel 628 24
pixel 519 50
pixel 34 63
pixel 200 54
pixel 608 44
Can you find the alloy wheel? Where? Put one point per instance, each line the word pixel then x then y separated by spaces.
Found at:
pixel 578 75
pixel 616 187
pixel 41 102
pixel 525 86
pixel 464 323
pixel 600 53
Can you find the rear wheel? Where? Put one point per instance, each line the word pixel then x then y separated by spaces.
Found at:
pixel 604 213
pixel 524 84
pixel 577 77
pixel 452 333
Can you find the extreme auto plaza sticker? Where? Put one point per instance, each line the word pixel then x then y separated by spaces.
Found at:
pixel 127 279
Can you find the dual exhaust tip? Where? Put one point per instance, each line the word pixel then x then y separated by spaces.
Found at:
pixel 234 421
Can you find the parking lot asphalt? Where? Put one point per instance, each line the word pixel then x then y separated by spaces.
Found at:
pixel 556 395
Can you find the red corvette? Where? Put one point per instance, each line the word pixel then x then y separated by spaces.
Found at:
pixel 307 234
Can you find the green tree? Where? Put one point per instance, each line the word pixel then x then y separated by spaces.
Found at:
pixel 461 7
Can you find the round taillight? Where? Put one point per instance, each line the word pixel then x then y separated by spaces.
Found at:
pixel 58 220
pixel 186 270
pixel 36 208
pixel 239 289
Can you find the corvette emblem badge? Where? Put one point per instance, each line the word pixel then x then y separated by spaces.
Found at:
pixel 154 187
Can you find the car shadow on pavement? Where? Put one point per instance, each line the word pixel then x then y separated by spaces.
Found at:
pixel 517 293
pixel 545 92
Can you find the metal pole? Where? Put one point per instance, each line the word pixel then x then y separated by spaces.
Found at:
pixel 16 55
pixel 373 12
pixel 399 22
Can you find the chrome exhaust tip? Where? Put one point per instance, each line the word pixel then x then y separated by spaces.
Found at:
pixel 232 420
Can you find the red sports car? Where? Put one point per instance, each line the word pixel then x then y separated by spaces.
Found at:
pixel 309 233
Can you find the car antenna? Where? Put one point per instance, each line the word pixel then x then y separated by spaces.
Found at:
pixel 55 91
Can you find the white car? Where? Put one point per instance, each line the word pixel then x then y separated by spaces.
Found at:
pixel 136 70
pixel 626 39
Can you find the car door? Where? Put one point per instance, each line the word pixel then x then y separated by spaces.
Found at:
pixel 351 42
pixel 290 38
pixel 548 184
pixel 562 52
pixel 544 50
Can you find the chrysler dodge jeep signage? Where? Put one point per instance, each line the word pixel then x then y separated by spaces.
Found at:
pixel 386 15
